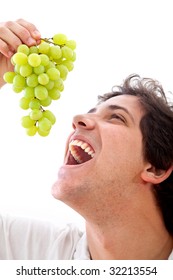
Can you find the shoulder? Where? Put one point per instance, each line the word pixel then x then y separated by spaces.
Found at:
pixel 38 239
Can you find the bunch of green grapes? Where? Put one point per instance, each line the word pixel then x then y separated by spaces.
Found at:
pixel 39 73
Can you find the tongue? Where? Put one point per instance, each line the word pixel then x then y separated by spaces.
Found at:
pixel 71 160
pixel 82 156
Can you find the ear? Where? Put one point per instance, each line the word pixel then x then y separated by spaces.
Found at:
pixel 155 176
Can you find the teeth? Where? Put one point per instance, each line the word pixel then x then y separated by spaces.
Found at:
pixel 76 156
pixel 87 149
pixel 82 145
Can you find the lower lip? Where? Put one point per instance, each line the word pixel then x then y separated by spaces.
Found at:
pixel 77 165
pixel 74 170
pixel 66 170
pixel 73 165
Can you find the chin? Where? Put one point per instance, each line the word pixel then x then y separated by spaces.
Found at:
pixel 57 190
pixel 54 191
pixel 62 189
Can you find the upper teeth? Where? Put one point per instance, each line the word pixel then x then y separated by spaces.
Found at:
pixel 82 145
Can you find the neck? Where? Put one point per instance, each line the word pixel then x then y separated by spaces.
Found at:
pixel 139 234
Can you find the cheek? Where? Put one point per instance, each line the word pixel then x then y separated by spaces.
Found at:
pixel 122 151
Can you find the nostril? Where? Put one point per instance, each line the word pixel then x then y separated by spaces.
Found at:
pixel 81 123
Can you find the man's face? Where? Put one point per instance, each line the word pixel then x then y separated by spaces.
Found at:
pixel 113 160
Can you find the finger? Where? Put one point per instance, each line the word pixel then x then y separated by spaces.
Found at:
pixel 20 32
pixel 5 49
pixel 31 28
pixel 12 34
pixel 9 37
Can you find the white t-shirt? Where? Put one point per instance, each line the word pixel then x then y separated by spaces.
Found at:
pixel 28 239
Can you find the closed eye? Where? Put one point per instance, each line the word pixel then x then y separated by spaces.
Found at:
pixel 118 117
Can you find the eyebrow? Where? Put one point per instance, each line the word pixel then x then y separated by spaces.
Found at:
pixel 112 108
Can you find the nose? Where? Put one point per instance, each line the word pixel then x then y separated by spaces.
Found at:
pixel 83 121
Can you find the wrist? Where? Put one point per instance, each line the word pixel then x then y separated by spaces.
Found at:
pixel 2 82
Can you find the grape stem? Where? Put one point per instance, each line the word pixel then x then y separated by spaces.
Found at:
pixel 42 109
pixel 48 40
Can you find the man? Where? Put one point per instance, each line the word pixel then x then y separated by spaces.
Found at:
pixel 117 174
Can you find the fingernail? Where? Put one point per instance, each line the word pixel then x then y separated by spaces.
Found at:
pixel 36 34
pixel 30 41
pixel 10 54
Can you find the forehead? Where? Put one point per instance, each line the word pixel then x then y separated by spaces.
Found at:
pixel 128 103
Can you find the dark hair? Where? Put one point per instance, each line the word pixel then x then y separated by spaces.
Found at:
pixel 157 129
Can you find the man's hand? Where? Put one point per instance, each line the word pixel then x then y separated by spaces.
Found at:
pixel 13 34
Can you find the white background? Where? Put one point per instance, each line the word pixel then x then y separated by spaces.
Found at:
pixel 114 39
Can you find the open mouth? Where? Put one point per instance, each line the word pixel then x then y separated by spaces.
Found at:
pixel 79 152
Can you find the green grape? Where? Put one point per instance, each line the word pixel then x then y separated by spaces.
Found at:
pixel 36 114
pixel 23 48
pixel 9 76
pixel 26 122
pixel 50 116
pixel 31 131
pixel 43 79
pixel 20 58
pixel 32 80
pixel 55 52
pixel 25 70
pixel 39 69
pixel 40 92
pixel 59 84
pixel 50 84
pixel 60 39
pixel 33 49
pixel 44 124
pixel 19 81
pixel 54 94
pixel 24 103
pixel 43 132
pixel 34 59
pixel 39 72
pixel 71 44
pixel 17 68
pixel 58 61
pixel 44 59
pixel 34 104
pixel 17 89
pixel 49 65
pixel 67 53
pixel 73 57
pixel 28 92
pixel 44 47
pixel 12 62
pixel 63 71
pixel 69 64
pixel 46 102
pixel 53 74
